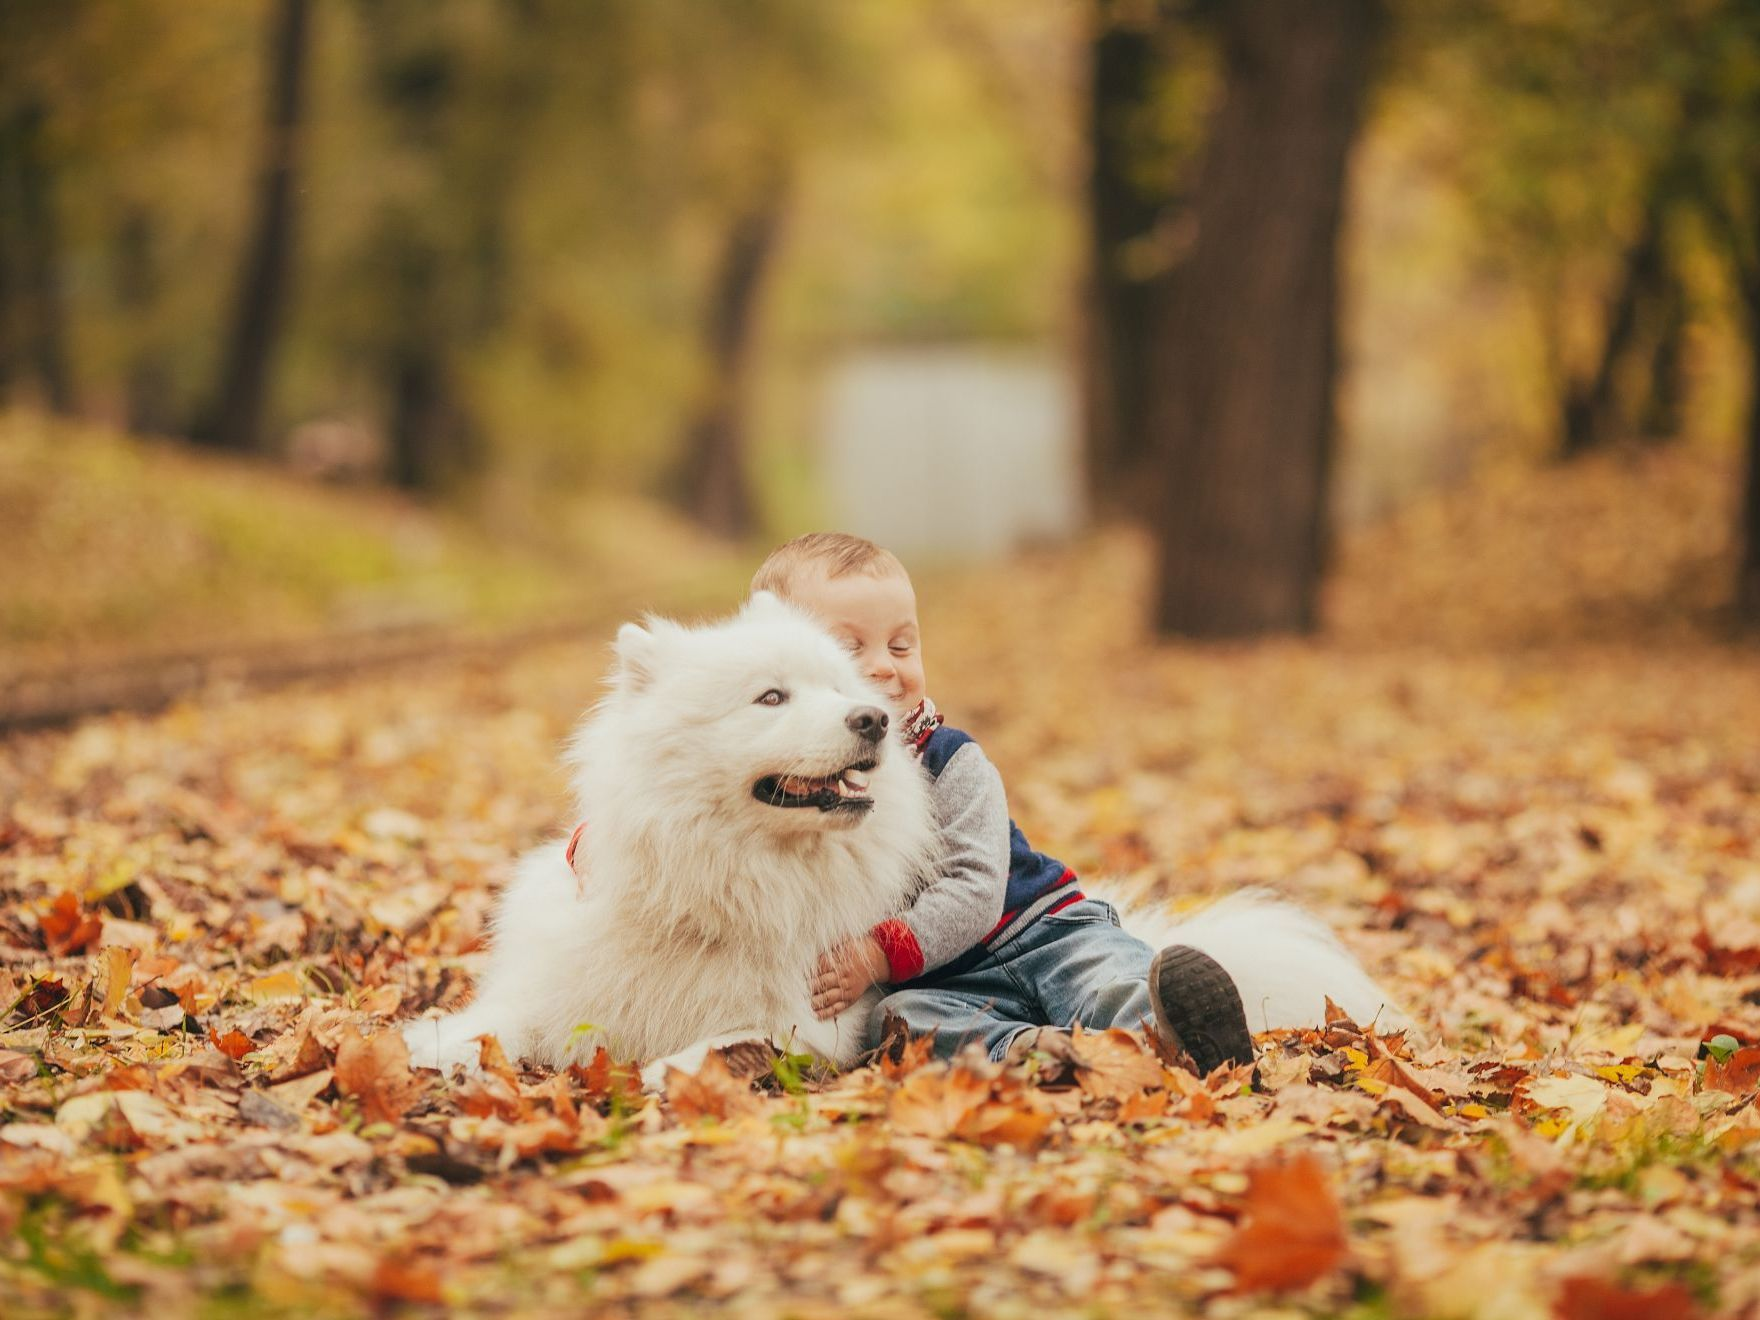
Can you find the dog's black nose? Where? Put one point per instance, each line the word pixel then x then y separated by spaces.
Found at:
pixel 868 721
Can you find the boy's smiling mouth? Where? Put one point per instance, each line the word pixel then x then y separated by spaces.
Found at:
pixel 847 790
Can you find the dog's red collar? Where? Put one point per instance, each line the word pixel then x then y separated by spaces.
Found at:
pixel 574 841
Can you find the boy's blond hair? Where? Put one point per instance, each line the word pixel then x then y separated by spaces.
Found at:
pixel 838 553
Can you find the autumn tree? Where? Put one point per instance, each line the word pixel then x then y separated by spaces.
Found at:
pixel 33 300
pixel 234 419
pixel 716 487
pixel 1127 200
pixel 1244 415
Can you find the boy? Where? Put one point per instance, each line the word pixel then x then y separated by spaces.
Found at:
pixel 1001 944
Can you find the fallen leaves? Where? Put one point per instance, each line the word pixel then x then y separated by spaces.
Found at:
pixel 68 928
pixel 1291 1232
pixel 214 1076
pixel 375 1071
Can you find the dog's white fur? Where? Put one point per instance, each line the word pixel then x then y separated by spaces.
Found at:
pixel 704 909
pixel 1285 962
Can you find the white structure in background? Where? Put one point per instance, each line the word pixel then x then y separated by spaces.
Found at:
pixel 951 452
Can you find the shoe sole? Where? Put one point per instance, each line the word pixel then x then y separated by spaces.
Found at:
pixel 1198 1008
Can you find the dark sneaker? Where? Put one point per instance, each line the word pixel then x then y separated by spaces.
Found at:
pixel 1198 1008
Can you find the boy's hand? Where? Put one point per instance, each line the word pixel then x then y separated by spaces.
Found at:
pixel 842 974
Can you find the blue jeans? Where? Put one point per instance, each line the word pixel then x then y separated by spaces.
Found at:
pixel 1072 966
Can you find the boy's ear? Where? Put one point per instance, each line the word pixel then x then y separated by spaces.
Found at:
pixel 638 651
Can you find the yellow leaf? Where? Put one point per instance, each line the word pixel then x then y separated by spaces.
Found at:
pixel 276 985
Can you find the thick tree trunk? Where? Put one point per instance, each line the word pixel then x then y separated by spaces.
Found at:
pixel 235 417
pixel 1125 54
pixel 1244 413
pixel 30 228
pixel 712 481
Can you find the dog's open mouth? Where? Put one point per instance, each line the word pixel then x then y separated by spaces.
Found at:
pixel 847 790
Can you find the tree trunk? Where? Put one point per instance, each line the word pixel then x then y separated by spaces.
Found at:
pixel 31 230
pixel 1589 411
pixel 712 481
pixel 235 417
pixel 1244 413
pixel 1121 213
pixel 1661 414
pixel 147 388
pixel 432 438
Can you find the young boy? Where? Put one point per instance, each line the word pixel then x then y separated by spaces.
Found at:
pixel 1001 944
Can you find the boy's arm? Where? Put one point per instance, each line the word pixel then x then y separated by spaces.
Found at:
pixel 963 903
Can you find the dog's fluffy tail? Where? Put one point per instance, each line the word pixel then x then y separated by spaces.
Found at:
pixel 1286 962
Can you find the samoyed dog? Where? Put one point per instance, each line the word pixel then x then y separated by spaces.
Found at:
pixel 747 809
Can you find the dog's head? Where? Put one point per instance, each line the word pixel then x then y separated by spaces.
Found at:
pixel 763 718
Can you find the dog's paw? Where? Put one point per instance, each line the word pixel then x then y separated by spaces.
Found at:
pixel 744 1054
pixel 435 1043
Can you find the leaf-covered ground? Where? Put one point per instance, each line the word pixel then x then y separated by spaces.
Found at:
pixel 1548 847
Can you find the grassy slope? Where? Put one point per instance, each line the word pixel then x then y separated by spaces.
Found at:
pixel 114 545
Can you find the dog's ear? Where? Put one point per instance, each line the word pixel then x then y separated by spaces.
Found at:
pixel 765 602
pixel 637 653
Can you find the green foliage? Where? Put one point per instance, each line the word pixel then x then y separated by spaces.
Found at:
pixel 530 196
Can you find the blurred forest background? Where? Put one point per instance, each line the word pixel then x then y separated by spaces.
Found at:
pixel 578 279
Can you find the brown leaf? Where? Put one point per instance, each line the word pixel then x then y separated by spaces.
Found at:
pixel 68 928
pixel 42 999
pixel 1596 1299
pixel 301 1091
pixel 1722 961
pixel 601 1078
pixel 488 1093
pixel 1114 1065
pixel 1291 1231
pixel 375 1070
pixel 711 1092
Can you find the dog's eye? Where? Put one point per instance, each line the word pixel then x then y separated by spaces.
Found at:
pixel 774 697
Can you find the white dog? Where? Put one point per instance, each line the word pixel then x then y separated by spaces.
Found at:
pixel 746 811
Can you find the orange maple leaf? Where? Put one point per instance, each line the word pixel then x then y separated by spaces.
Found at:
pixel 375 1070
pixel 1738 1074
pixel 1585 1298
pixel 234 1044
pixel 1291 1231
pixel 68 928
pixel 934 1104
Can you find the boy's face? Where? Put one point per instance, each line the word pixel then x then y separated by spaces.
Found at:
pixel 876 619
